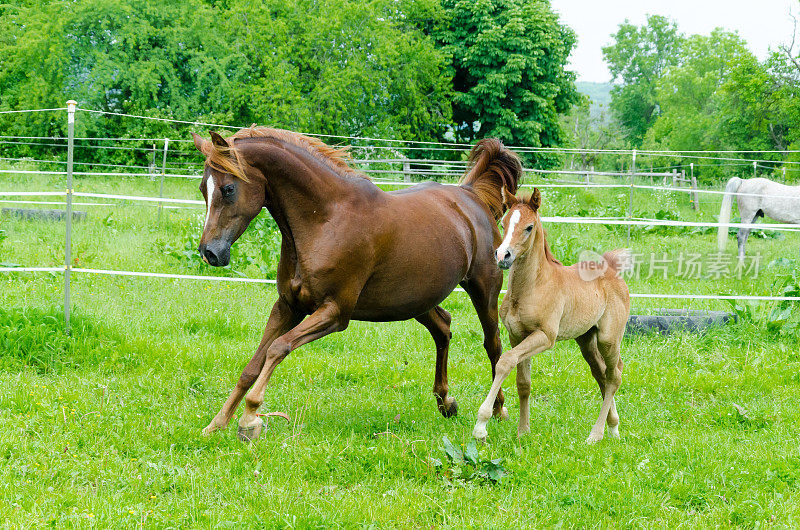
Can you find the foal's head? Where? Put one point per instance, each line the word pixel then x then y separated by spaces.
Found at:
pixel 233 198
pixel 521 226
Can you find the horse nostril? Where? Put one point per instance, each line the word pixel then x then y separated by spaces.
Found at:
pixel 211 258
pixel 507 257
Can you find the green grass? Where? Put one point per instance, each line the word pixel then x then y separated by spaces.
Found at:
pixel 102 428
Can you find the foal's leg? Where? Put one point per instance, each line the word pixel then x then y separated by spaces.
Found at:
pixel 483 292
pixel 612 377
pixel 588 345
pixel 281 320
pixel 536 342
pixel 524 392
pixel 437 321
pixel 325 320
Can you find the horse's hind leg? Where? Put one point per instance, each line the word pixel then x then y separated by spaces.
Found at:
pixel 524 392
pixel 588 345
pixel 483 292
pixel 608 347
pixel 437 322
pixel 744 233
pixel 281 320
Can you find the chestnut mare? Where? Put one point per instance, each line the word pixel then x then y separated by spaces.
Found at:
pixel 352 251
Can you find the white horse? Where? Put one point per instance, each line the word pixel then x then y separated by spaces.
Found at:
pixel 756 198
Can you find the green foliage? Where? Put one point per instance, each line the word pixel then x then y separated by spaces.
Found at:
pixel 338 67
pixel 703 93
pixel 36 339
pixel 779 318
pixel 688 92
pixel 468 465
pixel 343 67
pixel 508 59
pixel 758 105
pixel 331 66
pixel 638 57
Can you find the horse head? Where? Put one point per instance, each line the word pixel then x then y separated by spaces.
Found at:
pixel 233 198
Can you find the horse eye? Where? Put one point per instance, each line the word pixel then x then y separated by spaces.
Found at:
pixel 228 190
pixel 529 228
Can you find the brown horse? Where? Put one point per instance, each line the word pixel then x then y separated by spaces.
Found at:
pixel 546 302
pixel 352 251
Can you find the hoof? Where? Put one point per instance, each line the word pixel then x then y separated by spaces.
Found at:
pixel 209 429
pixel 594 438
pixel 449 410
pixel 480 433
pixel 523 432
pixel 614 431
pixel 212 427
pixel 250 434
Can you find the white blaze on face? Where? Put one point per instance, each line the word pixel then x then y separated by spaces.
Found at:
pixel 210 187
pixel 512 223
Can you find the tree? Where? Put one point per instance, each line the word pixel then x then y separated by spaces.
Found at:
pixel 688 92
pixel 508 70
pixel 319 66
pixel 638 57
pixel 720 97
pixel 759 105
pixel 339 67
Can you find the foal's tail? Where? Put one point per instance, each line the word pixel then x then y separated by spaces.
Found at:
pixel 619 261
pixel 725 212
pixel 492 167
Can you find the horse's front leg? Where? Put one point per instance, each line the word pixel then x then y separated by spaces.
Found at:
pixel 281 320
pixel 535 343
pixel 328 318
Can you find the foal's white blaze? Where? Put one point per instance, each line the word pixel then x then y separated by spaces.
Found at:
pixel 209 194
pixel 501 250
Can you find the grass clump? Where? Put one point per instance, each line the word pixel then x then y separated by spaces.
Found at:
pixel 35 338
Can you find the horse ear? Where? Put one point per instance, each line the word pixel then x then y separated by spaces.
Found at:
pixel 218 140
pixel 201 144
pixel 535 200
pixel 509 200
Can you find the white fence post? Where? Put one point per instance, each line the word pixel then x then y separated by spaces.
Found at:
pixel 695 195
pixel 161 187
pixel 630 194
pixel 71 104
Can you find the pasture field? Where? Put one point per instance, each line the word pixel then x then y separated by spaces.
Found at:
pixel 102 428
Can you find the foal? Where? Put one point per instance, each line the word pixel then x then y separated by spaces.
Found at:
pixel 546 302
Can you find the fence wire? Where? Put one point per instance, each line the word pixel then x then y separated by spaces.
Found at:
pixel 435 167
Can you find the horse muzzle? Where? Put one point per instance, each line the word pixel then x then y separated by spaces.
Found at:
pixel 216 253
pixel 506 260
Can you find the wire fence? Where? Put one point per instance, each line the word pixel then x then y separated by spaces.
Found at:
pixel 433 168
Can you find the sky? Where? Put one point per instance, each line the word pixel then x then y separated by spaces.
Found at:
pixel 762 23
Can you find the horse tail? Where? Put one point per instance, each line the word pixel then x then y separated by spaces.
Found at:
pixel 492 167
pixel 725 212
pixel 619 261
